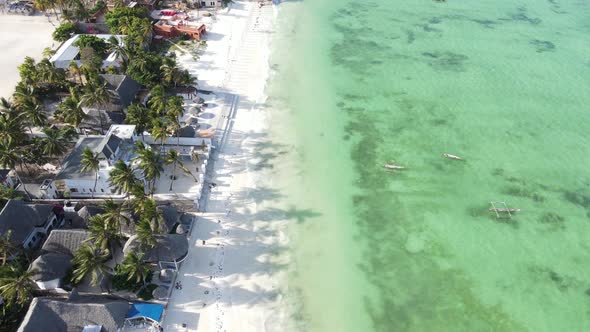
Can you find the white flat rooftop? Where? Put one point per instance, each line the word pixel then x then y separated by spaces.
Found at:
pixel 68 52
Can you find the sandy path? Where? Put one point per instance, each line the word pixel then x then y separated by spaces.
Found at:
pixel 21 36
pixel 230 282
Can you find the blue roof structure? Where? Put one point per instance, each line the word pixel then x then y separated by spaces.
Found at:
pixel 149 310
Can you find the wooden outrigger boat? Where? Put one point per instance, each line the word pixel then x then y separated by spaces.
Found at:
pixel 392 166
pixel 504 210
pixel 451 156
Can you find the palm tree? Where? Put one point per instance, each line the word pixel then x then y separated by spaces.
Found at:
pixel 173 157
pixel 48 74
pixel 135 267
pixel 138 198
pixel 139 116
pixel 11 126
pixel 114 214
pixel 28 72
pixel 174 113
pixel 75 70
pixel 122 177
pixel 54 143
pixel 119 50
pixel 158 100
pixel 145 235
pixel 90 260
pixel 186 79
pixel 34 112
pixel 7 194
pixel 18 288
pixel 24 93
pixel 70 110
pixel 102 233
pixel 90 163
pixel 97 95
pixel 7 249
pixel 160 131
pixel 11 155
pixel 170 73
pixel 150 164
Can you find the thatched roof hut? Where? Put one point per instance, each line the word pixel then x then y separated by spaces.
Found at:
pixel 54 315
pixel 169 247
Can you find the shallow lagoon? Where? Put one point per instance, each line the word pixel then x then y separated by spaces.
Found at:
pixel 504 85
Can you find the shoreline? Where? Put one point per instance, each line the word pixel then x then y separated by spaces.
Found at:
pixel 231 277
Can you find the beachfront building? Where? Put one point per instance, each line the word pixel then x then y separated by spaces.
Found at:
pixel 169 248
pixel 90 313
pixel 55 260
pixel 117 144
pixel 77 313
pixel 68 53
pixel 175 28
pixel 29 224
pixel 123 90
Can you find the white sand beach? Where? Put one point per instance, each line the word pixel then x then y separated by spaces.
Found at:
pixel 21 36
pixel 230 279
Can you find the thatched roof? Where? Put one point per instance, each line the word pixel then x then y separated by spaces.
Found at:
pixel 57 253
pixel 21 218
pixel 171 217
pixel 160 293
pixel 52 315
pixel 88 211
pixel 65 241
pixel 51 266
pixel 169 247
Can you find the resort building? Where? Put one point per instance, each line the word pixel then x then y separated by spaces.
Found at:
pixel 78 313
pixel 117 144
pixel 176 28
pixel 29 224
pixel 123 90
pixel 68 53
pixel 55 260
pixel 90 313
pixel 171 248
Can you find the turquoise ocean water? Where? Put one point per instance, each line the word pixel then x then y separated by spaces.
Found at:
pixel 504 84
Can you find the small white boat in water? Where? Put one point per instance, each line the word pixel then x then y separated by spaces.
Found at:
pixel 504 210
pixel 392 166
pixel 451 156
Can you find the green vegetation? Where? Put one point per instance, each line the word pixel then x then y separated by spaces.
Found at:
pixel 120 281
pixel 64 31
pixel 116 19
pixel 146 292
pixel 90 261
pixel 97 44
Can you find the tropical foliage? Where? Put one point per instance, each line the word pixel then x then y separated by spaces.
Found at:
pixel 64 31
pixel 90 261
